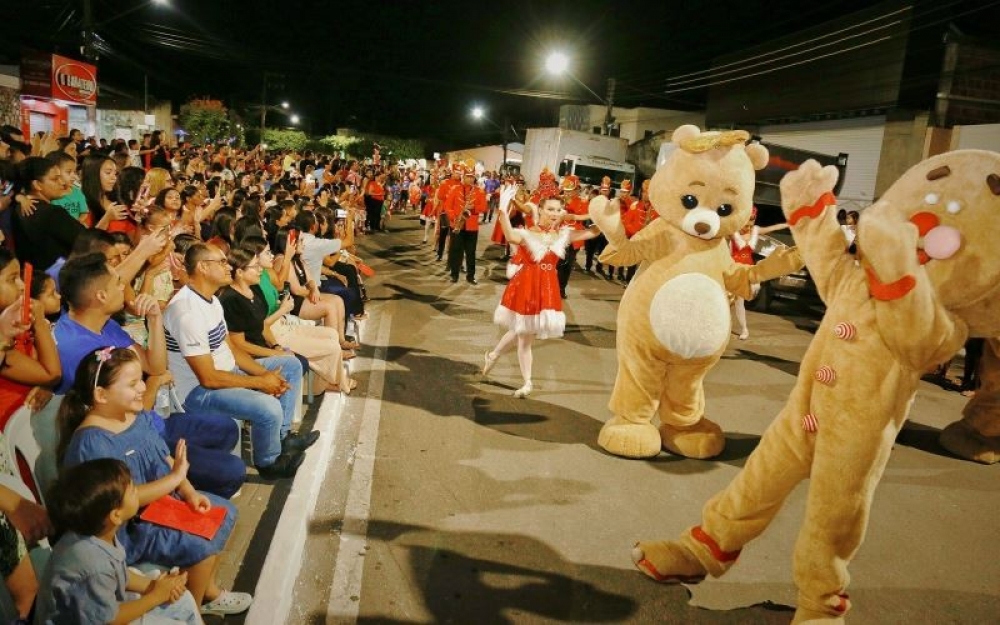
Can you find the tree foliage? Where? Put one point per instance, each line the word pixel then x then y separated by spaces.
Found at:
pixel 206 121
pixel 362 146
pixel 284 139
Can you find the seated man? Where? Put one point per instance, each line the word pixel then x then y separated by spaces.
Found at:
pixel 214 375
pixel 93 291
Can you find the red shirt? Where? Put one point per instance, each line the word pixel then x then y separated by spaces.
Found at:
pixel 456 202
pixel 577 206
pixel 375 190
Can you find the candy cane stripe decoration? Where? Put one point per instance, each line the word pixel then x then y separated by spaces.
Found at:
pixel 809 423
pixel 845 331
pixel 826 375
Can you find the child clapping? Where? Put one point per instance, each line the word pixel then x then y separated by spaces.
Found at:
pixel 85 580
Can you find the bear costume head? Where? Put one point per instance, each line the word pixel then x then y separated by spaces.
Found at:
pixel 705 187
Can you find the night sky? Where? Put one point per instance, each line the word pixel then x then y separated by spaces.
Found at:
pixel 415 69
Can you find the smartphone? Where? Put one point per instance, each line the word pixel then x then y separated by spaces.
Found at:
pixel 286 291
pixel 293 240
pixel 6 187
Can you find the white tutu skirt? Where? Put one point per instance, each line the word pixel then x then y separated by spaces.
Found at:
pixel 547 324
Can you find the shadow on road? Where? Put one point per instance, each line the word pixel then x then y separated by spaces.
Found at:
pixel 500 578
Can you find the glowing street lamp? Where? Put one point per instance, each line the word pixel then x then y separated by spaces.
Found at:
pixel 284 105
pixel 477 112
pixel 557 63
pixel 295 119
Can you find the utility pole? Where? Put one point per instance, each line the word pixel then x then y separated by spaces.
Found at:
pixel 87 49
pixel 263 108
pixel 609 119
pixel 506 127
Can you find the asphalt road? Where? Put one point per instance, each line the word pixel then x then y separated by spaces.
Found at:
pixel 449 501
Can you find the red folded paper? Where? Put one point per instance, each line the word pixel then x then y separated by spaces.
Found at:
pixel 176 514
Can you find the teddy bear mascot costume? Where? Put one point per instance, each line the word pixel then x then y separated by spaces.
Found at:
pixel 673 321
pixel 977 435
pixel 927 276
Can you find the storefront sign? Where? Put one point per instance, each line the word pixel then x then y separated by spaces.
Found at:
pixel 73 80
pixel 58 77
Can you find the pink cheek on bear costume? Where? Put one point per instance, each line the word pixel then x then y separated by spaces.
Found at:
pixel 942 242
pixel 938 242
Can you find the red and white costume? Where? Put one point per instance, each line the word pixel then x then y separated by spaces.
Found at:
pixel 531 303
pixel 742 245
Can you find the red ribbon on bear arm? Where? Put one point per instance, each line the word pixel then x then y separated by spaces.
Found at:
pixel 889 291
pixel 813 211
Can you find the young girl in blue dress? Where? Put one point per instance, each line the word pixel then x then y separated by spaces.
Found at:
pixel 102 416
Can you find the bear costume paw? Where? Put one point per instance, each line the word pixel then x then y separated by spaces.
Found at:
pixel 668 562
pixel 964 441
pixel 700 441
pixel 629 440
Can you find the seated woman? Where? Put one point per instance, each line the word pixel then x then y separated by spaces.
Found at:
pixel 260 335
pixel 22 521
pixel 103 416
pixel 28 374
pixel 310 303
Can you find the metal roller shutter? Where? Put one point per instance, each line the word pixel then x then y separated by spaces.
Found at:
pixel 981 137
pixel 859 138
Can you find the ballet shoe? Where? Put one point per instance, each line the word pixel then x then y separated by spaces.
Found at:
pixel 524 391
pixel 744 335
pixel 488 362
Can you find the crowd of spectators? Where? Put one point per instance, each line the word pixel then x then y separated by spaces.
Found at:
pixel 151 297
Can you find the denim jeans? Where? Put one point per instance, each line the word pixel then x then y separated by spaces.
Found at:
pixel 270 418
pixel 210 442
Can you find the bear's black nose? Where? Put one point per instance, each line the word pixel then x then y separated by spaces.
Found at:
pixel 701 227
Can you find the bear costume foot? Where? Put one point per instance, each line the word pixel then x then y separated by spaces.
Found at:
pixel 629 440
pixel 668 562
pixel 700 441
pixel 965 442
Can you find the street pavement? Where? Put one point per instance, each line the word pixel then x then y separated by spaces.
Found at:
pixel 443 499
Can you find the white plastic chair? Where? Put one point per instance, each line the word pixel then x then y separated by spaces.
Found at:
pixel 21 439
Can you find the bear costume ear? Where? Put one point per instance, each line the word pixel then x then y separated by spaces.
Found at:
pixel 685 132
pixel 758 155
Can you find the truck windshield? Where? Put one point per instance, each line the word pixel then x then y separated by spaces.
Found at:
pixel 592 175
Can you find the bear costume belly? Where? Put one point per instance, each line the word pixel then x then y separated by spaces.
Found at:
pixel 689 316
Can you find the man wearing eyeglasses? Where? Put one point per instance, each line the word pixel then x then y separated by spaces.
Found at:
pixel 212 374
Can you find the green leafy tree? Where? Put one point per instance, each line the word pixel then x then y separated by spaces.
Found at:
pixel 206 121
pixel 284 139
pixel 362 146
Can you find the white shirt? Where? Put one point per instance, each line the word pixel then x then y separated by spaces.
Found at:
pixel 195 327
pixel 315 250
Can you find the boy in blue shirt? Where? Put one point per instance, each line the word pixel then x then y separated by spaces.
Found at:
pixel 85 580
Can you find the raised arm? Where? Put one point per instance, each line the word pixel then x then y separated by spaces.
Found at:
pixel 810 208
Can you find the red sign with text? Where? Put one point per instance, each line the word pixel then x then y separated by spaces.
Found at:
pixel 74 81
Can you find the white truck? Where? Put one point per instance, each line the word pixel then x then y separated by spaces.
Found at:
pixel 564 152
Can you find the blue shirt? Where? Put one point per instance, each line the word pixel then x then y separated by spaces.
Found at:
pixel 73 342
pixel 84 582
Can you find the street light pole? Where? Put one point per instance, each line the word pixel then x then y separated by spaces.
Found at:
pixel 609 118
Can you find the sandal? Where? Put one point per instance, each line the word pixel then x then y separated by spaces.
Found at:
pixel 349 345
pixel 228 602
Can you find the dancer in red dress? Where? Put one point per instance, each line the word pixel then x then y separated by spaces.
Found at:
pixel 531 305
pixel 742 246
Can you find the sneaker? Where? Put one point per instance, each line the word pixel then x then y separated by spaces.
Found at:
pixel 228 602
pixel 284 466
pixel 299 442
